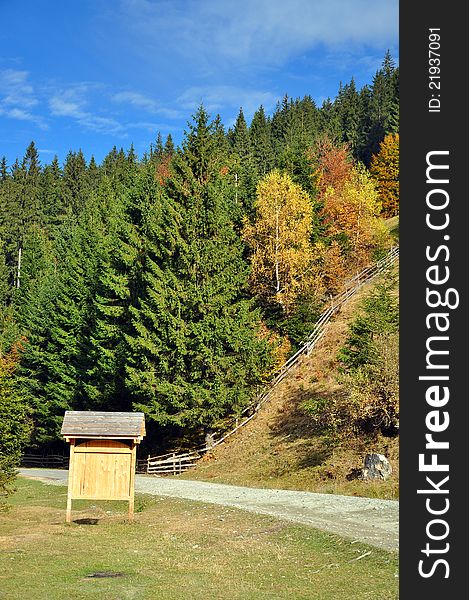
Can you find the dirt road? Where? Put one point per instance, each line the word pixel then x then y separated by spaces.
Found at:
pixel 368 520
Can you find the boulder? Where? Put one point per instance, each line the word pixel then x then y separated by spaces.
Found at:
pixel 376 466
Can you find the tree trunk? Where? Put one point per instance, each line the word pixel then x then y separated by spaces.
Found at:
pixel 18 272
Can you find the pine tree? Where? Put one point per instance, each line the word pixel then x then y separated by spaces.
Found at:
pixel 383 104
pixel 93 178
pixel 53 208
pixel 365 125
pixel 21 211
pixel 75 181
pixel 195 346
pixel 243 165
pixel 261 142
pixel 158 150
pixel 3 170
pixel 329 120
pixel 281 125
pixel 348 106
pixel 169 145
pixel 8 328
pixel 240 137
pixel 58 320
pixel 115 289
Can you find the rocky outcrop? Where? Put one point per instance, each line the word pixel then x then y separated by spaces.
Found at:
pixel 376 466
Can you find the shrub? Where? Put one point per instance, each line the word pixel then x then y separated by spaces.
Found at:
pixel 369 375
pixel 15 425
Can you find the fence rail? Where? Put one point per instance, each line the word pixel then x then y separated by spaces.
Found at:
pixel 58 461
pixel 45 461
pixel 174 463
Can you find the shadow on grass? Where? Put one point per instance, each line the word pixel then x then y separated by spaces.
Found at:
pixel 313 442
pixel 87 521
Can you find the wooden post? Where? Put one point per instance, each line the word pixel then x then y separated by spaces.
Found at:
pixel 68 517
pixel 133 460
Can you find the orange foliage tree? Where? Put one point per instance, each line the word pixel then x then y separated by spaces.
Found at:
pixel 352 228
pixel 332 164
pixel 351 214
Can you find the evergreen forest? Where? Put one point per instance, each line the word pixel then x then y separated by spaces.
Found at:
pixel 176 283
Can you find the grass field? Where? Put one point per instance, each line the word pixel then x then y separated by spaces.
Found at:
pixel 176 550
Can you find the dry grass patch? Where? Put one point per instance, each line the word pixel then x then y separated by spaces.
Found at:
pixel 177 550
pixel 282 447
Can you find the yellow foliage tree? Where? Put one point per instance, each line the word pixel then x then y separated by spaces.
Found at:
pixel 279 238
pixel 333 267
pixel 385 170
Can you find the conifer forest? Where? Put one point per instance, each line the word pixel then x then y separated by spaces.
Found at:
pixel 176 283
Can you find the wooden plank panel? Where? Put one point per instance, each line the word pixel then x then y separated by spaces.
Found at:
pixel 71 478
pixel 133 461
pixel 104 446
pixel 105 450
pixel 100 476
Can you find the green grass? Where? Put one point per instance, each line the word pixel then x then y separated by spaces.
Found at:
pixel 177 550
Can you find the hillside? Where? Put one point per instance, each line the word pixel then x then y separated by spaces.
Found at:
pixel 283 448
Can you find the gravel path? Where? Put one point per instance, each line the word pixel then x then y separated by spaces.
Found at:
pixel 368 520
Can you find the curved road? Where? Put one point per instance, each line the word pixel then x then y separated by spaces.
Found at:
pixel 368 520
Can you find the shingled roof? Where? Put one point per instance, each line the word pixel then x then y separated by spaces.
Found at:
pixel 103 425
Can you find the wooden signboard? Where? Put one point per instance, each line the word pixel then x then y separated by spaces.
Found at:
pixel 102 463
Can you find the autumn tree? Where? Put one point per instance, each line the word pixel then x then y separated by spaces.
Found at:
pixel 14 422
pixel 332 164
pixel 279 238
pixel 385 170
pixel 352 218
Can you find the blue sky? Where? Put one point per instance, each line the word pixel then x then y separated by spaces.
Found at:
pixel 92 74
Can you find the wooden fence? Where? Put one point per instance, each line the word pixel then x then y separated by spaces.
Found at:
pixel 45 461
pixel 59 461
pixel 174 463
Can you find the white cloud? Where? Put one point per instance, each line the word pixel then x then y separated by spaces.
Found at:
pixel 63 108
pixel 23 115
pixel 16 90
pixel 267 32
pixel 144 102
pixel 136 99
pixel 215 98
pixel 17 97
pixel 102 124
pixel 73 102
pixel 152 127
